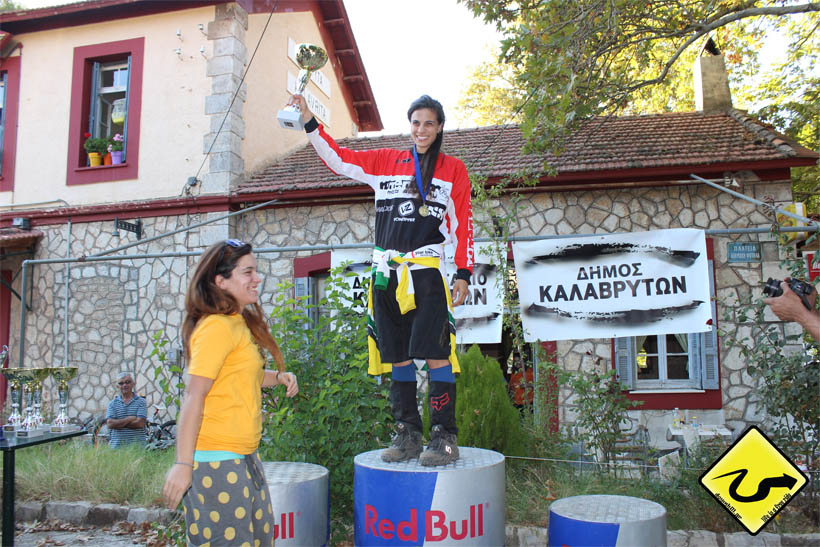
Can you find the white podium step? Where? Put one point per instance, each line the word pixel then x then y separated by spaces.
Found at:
pixel 301 503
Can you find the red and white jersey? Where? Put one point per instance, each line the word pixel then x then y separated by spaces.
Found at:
pixel 391 175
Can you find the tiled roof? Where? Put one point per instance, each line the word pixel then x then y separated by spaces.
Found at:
pixel 15 238
pixel 674 140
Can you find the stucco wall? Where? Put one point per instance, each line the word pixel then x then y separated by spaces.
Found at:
pixel 173 108
pixel 184 100
pixel 267 87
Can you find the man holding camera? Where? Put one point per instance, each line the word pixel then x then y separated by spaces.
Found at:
pixel 791 307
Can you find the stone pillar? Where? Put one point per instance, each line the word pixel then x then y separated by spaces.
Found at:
pixel 226 166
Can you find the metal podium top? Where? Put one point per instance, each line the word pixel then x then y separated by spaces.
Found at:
pixel 469 458
pixel 292 472
pixel 607 508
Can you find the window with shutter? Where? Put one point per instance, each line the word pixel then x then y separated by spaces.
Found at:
pixel 672 362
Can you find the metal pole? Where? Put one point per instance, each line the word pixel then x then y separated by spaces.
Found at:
pixel 67 277
pixel 333 247
pixel 22 344
pixel 186 228
pixel 755 201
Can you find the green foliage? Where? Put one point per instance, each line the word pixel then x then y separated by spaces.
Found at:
pixel 98 145
pixel 173 533
pixel 77 471
pixel 561 63
pixel 485 414
pixel 340 410
pixel 168 376
pixel 602 408
pixel 787 386
pixel 10 5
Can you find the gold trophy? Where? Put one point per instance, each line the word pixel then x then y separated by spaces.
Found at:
pixel 29 427
pixel 33 424
pixel 63 375
pixel 14 380
pixel 310 58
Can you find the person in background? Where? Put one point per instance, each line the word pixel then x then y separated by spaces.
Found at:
pixel 126 414
pixel 789 307
pixel 217 473
pixel 422 204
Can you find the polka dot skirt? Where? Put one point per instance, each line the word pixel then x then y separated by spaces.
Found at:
pixel 229 504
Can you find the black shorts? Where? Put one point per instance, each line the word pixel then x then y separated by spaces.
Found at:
pixel 423 333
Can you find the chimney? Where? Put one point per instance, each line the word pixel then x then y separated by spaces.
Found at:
pixel 711 81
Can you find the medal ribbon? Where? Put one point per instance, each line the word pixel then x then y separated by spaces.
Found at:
pixel 422 193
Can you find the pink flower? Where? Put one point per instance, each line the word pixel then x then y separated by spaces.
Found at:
pixel 117 137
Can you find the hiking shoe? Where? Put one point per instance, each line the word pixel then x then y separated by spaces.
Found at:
pixel 443 448
pixel 406 444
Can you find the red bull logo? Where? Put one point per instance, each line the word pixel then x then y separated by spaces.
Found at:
pixel 436 525
pixel 284 530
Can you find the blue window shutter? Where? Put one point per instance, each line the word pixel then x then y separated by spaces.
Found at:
pixel 695 357
pixel 710 342
pixel 127 108
pixel 625 361
pixel 3 117
pixel 92 111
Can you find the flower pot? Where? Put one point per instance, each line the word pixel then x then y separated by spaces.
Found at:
pixel 116 157
pixel 94 159
pixel 107 159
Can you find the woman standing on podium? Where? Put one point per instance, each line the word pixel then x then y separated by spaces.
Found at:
pixel 217 473
pixel 422 203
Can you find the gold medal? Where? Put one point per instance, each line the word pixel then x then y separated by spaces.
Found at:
pixel 424 210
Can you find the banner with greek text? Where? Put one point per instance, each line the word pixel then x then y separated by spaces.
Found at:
pixel 357 270
pixel 479 319
pixel 615 285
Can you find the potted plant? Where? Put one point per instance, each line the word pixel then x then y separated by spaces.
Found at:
pixel 96 147
pixel 115 148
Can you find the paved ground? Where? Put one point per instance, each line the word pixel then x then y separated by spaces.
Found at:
pixel 91 538
pixel 516 537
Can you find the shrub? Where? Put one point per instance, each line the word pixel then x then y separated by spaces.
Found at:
pixel 485 415
pixel 340 410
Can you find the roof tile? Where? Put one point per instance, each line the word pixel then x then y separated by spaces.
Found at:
pixel 689 139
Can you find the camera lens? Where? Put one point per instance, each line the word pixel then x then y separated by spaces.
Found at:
pixel 772 288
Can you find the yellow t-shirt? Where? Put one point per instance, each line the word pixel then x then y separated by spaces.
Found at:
pixel 223 349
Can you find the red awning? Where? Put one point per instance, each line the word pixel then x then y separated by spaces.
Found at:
pixel 15 238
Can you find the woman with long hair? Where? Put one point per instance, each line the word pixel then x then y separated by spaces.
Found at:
pixel 422 204
pixel 217 473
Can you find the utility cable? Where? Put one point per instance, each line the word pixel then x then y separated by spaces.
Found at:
pixel 187 186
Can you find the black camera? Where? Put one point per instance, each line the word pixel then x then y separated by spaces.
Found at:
pixel 800 288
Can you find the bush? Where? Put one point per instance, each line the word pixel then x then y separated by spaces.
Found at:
pixel 340 410
pixel 485 415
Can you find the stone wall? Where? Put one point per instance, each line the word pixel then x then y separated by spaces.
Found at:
pixel 116 307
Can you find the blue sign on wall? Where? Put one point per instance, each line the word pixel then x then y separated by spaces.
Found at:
pixel 744 252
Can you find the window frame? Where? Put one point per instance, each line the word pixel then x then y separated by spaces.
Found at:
pixel 80 110
pixel 11 66
pixel 703 345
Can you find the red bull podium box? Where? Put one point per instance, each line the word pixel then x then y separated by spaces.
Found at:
pixel 301 503
pixel 405 503
pixel 606 521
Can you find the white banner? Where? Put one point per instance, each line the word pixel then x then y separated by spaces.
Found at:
pixel 479 319
pixel 615 285
pixel 359 263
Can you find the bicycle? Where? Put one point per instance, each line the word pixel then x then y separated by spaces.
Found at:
pixel 160 435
